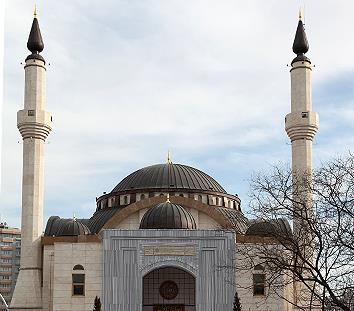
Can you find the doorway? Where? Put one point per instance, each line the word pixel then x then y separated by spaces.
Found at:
pixel 169 289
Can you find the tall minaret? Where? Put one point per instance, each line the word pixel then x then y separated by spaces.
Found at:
pixel 34 124
pixel 301 126
pixel 302 123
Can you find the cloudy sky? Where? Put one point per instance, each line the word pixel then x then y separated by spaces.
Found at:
pixel 208 80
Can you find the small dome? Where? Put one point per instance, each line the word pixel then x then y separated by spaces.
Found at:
pixel 167 215
pixel 73 227
pixel 270 228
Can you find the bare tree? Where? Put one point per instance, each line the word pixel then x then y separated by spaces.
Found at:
pixel 317 255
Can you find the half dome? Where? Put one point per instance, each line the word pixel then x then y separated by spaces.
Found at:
pixel 271 228
pixel 169 176
pixel 167 215
pixel 73 227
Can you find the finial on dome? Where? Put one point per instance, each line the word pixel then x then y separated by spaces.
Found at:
pixel 35 11
pixel 35 41
pixel 169 157
pixel 74 217
pixel 168 198
pixel 300 45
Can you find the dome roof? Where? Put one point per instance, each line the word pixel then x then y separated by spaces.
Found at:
pixel 169 176
pixel 276 227
pixel 73 227
pixel 167 215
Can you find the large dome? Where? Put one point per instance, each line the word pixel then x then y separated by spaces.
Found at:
pixel 169 176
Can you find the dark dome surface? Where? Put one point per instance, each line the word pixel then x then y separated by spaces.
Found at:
pixel 276 227
pixel 167 215
pixel 169 176
pixel 73 227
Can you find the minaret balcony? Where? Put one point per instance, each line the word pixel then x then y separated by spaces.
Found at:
pixel 301 125
pixel 34 123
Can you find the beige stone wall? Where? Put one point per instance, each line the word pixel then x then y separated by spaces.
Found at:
pixel 57 275
pixel 271 301
pixel 206 223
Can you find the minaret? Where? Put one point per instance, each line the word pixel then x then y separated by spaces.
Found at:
pixel 302 123
pixel 34 124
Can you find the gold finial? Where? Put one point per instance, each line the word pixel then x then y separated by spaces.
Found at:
pixel 300 14
pixel 168 198
pixel 35 11
pixel 169 157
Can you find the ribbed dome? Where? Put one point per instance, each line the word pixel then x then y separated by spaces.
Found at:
pixel 276 227
pixel 169 176
pixel 167 216
pixel 73 227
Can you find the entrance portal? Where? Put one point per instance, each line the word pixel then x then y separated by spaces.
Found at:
pixel 168 289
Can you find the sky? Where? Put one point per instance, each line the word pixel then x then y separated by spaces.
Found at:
pixel 128 80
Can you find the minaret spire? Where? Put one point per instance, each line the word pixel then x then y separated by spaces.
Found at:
pixel 34 124
pixel 300 45
pixel 35 42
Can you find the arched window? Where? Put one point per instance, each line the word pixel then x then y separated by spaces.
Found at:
pixel 181 195
pixel 125 200
pixel 142 196
pixel 78 281
pixel 200 198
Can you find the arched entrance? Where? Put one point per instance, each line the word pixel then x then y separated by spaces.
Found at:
pixel 168 289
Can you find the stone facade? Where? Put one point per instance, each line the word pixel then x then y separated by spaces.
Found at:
pixel 59 261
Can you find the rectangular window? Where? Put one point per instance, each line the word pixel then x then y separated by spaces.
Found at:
pixel 31 113
pixel 78 284
pixel 258 284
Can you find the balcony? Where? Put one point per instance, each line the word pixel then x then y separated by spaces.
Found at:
pixel 7 247
pixel 6 256
pixel 5 272
pixel 5 282
pixel 5 290
pixel 8 240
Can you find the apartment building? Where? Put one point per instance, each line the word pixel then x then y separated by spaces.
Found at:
pixel 10 251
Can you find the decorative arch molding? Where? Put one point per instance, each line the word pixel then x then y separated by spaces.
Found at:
pixel 169 263
pixel 212 212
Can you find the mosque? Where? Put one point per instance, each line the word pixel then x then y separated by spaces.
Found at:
pixel 156 242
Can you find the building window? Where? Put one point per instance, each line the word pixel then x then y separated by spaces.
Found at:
pixel 142 196
pixel 258 284
pixel 200 198
pixel 78 280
